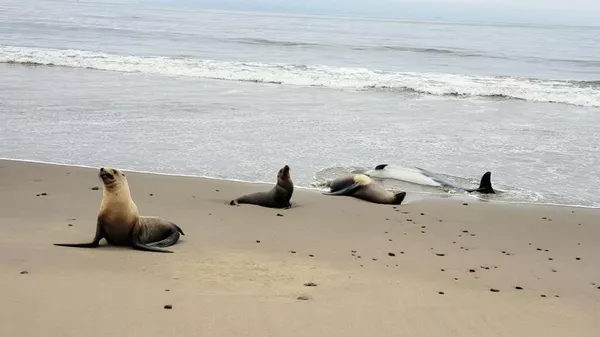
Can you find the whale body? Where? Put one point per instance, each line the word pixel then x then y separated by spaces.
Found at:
pixel 421 176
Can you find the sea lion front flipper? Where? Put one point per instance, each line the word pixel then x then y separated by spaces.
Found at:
pixel 344 191
pixel 99 236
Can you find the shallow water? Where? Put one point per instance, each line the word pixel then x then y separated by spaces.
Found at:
pixel 239 95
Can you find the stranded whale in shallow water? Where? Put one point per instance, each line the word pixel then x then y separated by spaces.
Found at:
pixel 423 177
pixel 362 187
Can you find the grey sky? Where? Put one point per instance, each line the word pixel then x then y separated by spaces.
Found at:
pixel 574 12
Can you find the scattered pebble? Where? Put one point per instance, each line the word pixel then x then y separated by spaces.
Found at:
pixel 465 204
pixel 577 258
pixel 310 284
pixel 472 234
pixel 422 232
pixel 311 255
pixel 402 252
pixel 544 218
pixel 306 298
pixel 453 241
pixel 546 250
pixel 442 269
pixel 151 194
pixel 440 220
pixel 471 270
pixel 70 225
pixel 441 292
pixel 422 213
pixel 95 188
pixel 408 219
pixel 353 251
pixel 538 249
pixel 37 195
pixel 554 270
pixel 257 241
pixel 44 193
pixel 485 267
pixel 440 254
pixel 386 232
pixel 374 259
pixel 423 226
pixel 167 290
pixel 542 295
pixel 293 251
pixel 389 239
pixel 556 296
pixel 216 190
pixel 24 272
pixel 456 279
pixel 391 254
pixel 550 259
pixel 494 290
pixel 465 231
pixel 168 306
pixel 279 214
pixel 519 288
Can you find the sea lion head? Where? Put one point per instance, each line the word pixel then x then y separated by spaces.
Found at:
pixel 111 177
pixel 284 178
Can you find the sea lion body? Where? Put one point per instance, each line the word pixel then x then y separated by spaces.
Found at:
pixel 278 197
pixel 362 187
pixel 119 221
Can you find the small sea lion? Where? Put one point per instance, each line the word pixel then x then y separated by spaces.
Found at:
pixel 278 197
pixel 120 223
pixel 362 187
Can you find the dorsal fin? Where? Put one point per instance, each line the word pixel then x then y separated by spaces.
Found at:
pixel 381 167
pixel 485 186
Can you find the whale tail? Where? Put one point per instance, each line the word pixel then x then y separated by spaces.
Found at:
pixel 485 186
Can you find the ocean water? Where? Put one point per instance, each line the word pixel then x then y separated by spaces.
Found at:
pixel 237 95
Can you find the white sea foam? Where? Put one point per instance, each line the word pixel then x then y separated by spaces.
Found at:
pixel 554 91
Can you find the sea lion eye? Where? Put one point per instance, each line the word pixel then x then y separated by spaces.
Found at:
pixel 115 172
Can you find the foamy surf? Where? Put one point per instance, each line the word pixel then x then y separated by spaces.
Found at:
pixel 438 84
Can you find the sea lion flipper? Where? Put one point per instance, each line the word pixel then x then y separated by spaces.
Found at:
pixel 135 244
pixel 99 236
pixel 344 191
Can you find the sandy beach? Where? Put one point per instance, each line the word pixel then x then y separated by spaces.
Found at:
pixel 329 266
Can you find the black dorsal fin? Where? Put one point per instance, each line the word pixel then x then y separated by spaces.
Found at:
pixel 381 167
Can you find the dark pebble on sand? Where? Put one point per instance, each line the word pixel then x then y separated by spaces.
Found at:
pixel 542 295
pixel 310 284
pixel 544 218
pixel 408 219
pixel 472 234
pixel 402 252
pixel 556 296
pixel 168 306
pixel 465 231
pixel 151 194
pixel 391 254
pixel 441 292
pixel 577 258
pixel 359 257
pixel 374 259
pixel 471 270
pixel 24 272
pixel 494 290
pixel 44 193
pixel 311 255
pixel 216 190
pixel 353 251
pixel 293 251
pixel 423 226
pixel 519 288
pixel 442 269
pixel 485 267
pixel 257 241
pixel 70 225
pixel 456 279
pixel 440 254
pixel 554 270
pixel 95 188
pixel 422 232
pixel 550 259
pixel 361 265
pixel 422 213
pixel 598 288
pixel 389 239
pixel 387 219
pixel 465 204
pixel 303 298
pixel 440 220
pixel 386 232
pixel 538 249
pixel 530 243
pixel 37 195
pixel 167 290
pixel 453 241
pixel 279 214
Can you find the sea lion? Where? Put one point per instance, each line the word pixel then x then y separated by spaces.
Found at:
pixel 278 197
pixel 362 187
pixel 120 223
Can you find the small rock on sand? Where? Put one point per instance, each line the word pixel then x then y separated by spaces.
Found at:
pixel 440 254
pixel 519 288
pixel 70 225
pixel 279 214
pixel 471 270
pixel 303 298
pixel 311 255
pixel 257 241
pixel 494 290
pixel 151 194
pixel 577 258
pixel 441 292
pixel 168 306
pixel 95 188
pixel 310 284
pixel 293 251
pixel 391 254
pixel 465 204
pixel 24 272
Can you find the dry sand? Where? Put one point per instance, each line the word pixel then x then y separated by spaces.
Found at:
pixel 240 270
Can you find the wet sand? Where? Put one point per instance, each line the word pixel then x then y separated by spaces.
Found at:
pixel 329 266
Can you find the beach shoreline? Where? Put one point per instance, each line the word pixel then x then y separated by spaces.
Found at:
pixel 333 266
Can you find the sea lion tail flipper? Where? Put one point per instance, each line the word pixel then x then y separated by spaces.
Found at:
pixel 381 167
pixel 344 191
pixel 485 186
pixel 135 244
pixel 179 229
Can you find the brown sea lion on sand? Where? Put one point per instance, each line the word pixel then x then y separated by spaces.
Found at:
pixel 362 187
pixel 120 223
pixel 278 197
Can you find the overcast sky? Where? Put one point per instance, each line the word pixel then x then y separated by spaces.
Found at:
pixel 574 12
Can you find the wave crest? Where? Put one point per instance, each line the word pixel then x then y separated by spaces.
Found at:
pixel 582 93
